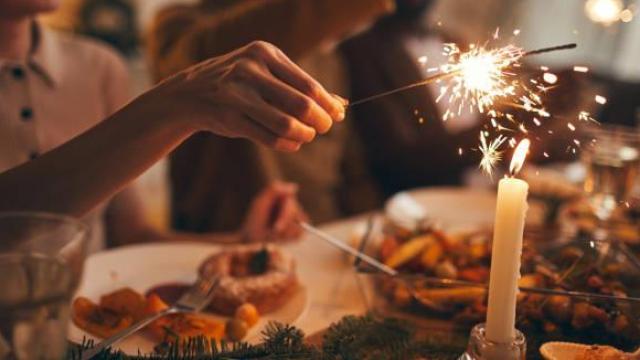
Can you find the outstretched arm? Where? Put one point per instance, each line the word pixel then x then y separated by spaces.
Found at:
pixel 183 35
pixel 254 92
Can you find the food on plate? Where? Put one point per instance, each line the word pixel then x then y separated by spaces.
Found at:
pixel 559 350
pixel 236 329
pixel 262 275
pixel 97 320
pixel 125 301
pixel 121 308
pixel 248 313
pixel 115 311
pixel 181 326
pixel 407 251
pixel 624 224
pixel 465 258
pixel 602 352
pixel 254 279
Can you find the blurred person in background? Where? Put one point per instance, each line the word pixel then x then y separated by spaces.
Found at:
pixel 207 172
pixel 55 86
pixel 406 143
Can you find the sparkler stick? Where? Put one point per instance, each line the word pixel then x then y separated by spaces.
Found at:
pixel 445 75
pixel 551 49
pixel 426 81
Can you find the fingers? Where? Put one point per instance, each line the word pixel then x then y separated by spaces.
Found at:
pixel 286 224
pixel 290 73
pixel 287 215
pixel 274 214
pixel 279 201
pixel 279 123
pixel 292 102
pixel 256 132
pixel 257 93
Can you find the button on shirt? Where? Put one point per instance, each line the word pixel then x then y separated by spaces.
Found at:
pixel 65 87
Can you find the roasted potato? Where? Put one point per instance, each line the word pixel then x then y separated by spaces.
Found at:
pixel 178 327
pixel 97 320
pixel 409 250
pixel 125 301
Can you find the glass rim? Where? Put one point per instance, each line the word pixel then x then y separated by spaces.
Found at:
pixel 43 215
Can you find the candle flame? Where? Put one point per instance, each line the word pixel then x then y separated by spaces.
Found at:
pixel 519 154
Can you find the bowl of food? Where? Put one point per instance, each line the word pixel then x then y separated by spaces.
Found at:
pixel 571 288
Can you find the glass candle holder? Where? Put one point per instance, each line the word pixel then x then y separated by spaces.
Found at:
pixel 479 348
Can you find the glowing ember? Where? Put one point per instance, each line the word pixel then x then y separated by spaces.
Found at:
pixel 605 12
pixel 550 78
pixel 519 154
pixel 585 116
pixel 601 99
pixel 491 153
pixel 479 78
pixel 582 69
pixel 626 15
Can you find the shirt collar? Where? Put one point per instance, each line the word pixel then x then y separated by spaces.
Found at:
pixel 46 57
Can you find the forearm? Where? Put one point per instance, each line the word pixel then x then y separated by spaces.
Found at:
pixel 75 177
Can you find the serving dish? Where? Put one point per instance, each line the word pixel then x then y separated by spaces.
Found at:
pixel 572 287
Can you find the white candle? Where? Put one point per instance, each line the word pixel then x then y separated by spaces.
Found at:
pixel 511 208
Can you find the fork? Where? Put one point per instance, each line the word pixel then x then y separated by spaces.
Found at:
pixel 194 300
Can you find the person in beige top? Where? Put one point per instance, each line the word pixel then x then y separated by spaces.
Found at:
pixel 54 87
pixel 332 182
pixel 64 86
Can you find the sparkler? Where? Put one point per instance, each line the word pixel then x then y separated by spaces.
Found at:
pixel 479 80
pixel 472 67
pixel 491 154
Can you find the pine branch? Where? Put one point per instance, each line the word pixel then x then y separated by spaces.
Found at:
pixel 352 338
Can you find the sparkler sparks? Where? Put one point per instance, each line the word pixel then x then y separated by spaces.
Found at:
pixel 487 81
pixel 491 153
pixel 582 69
pixel 478 77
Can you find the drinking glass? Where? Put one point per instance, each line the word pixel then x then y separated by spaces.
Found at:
pixel 41 261
pixel 611 155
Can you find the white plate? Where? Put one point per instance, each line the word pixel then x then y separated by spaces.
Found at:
pixel 461 208
pixel 141 267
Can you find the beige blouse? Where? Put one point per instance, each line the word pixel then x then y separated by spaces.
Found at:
pixel 66 86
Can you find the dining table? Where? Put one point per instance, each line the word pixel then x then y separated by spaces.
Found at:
pixel 333 286
pixel 328 275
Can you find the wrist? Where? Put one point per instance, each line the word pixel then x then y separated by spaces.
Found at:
pixel 162 110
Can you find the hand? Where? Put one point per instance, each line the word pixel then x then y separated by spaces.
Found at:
pixel 274 215
pixel 255 92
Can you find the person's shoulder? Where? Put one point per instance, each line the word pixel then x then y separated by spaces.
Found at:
pixel 170 23
pixel 85 50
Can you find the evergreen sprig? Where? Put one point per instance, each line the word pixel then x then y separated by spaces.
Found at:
pixel 352 338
